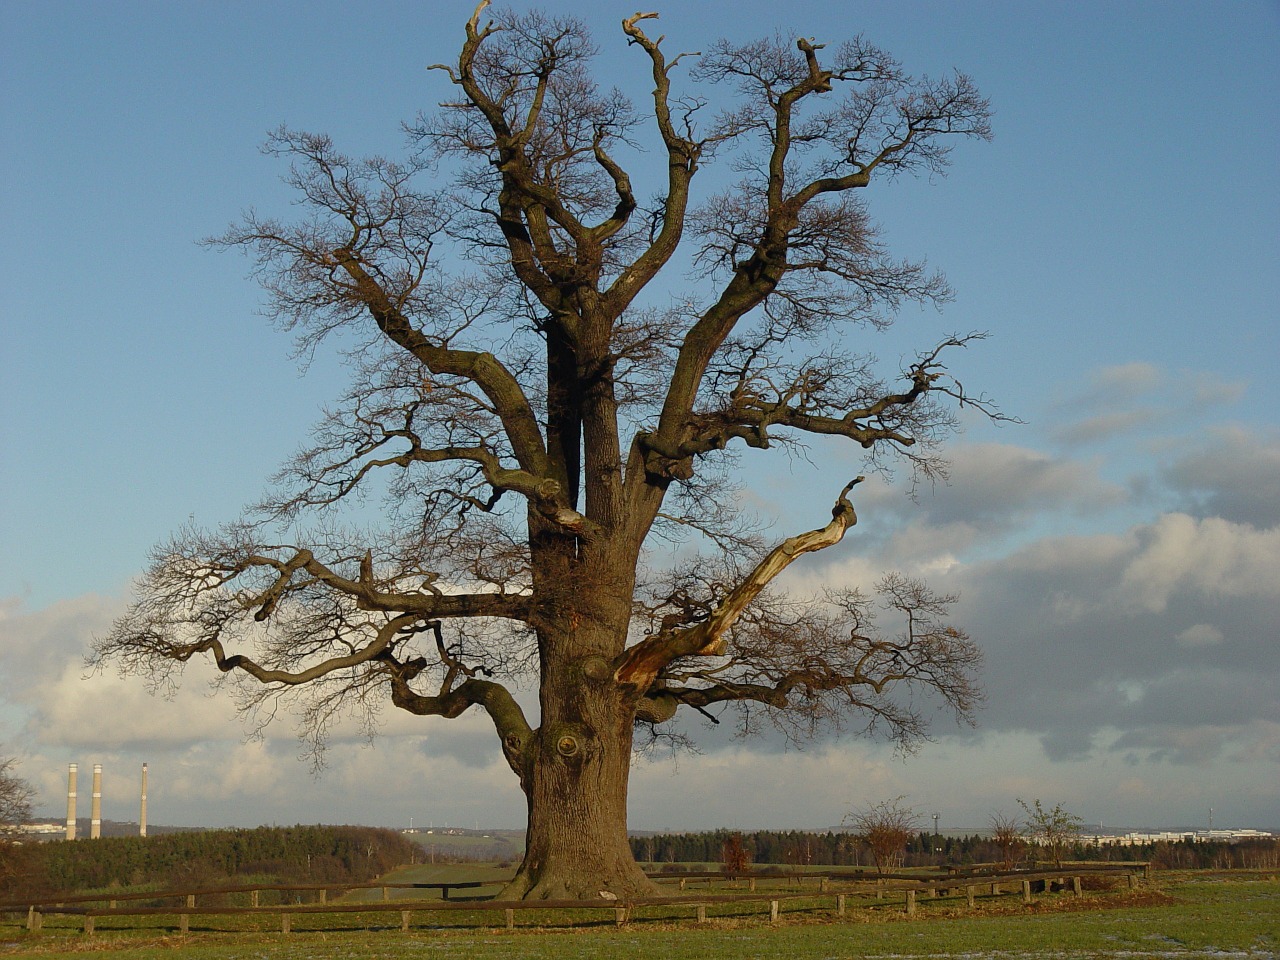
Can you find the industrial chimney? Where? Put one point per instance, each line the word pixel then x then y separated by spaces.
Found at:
pixel 71 802
pixel 95 812
pixel 142 817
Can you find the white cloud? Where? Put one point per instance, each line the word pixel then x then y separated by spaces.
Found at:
pixel 1128 379
pixel 1213 557
pixel 1234 473
pixel 997 484
pixel 1105 425
pixel 104 710
pixel 1132 398
pixel 741 786
pixel 1200 635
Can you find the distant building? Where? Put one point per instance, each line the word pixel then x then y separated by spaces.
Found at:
pixel 41 830
pixel 1137 839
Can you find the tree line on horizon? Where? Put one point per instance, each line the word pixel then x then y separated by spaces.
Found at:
pixel 298 854
pixel 800 848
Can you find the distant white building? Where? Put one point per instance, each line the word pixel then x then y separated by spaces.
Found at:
pixel 40 829
pixel 1136 839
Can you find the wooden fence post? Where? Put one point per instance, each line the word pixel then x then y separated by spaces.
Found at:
pixel 285 925
pixel 702 913
pixel 404 921
pixel 184 923
pixel 752 885
pixel 88 923
pixel 386 895
pixel 911 903
pixel 1026 891
pixel 968 895
pixel 995 889
pixel 840 897
pixel 35 919
pixel 253 898
pixel 774 910
pixel 324 895
pixel 1075 886
pixel 619 915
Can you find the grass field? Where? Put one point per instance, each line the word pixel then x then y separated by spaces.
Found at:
pixel 490 874
pixel 1172 917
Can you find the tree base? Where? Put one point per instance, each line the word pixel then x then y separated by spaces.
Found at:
pixel 566 881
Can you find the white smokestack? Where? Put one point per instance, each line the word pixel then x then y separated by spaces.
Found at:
pixel 71 801
pixel 142 817
pixel 95 812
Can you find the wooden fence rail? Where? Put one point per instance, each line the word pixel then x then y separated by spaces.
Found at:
pixel 623 910
pixel 821 878
pixel 253 889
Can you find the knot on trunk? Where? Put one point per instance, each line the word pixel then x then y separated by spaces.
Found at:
pixel 596 668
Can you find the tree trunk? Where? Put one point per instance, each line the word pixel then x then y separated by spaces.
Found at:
pixel 576 845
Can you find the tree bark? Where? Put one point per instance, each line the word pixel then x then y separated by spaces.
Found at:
pixel 576 771
pixel 576 845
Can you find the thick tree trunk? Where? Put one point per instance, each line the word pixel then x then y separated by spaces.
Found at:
pixel 576 845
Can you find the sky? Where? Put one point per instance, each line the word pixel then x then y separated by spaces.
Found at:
pixel 1117 552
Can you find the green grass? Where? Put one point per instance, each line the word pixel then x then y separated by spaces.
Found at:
pixel 1174 917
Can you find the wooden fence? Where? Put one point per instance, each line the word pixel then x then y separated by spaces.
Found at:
pixel 862 889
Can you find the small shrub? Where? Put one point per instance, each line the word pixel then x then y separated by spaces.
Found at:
pixel 735 857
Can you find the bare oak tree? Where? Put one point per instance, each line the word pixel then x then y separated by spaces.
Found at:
pixel 555 373
pixel 1007 834
pixel 15 801
pixel 15 811
pixel 885 828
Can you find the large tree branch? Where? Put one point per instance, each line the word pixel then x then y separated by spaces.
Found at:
pixel 640 665
pixel 484 369
pixel 906 120
pixel 552 498
pixel 364 590
pixel 811 668
pixel 508 719
pixel 683 154
pixel 454 699
pixel 524 250
pixel 753 279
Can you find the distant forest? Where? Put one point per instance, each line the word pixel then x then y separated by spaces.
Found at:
pixel 338 855
pixel 798 848
pixel 302 854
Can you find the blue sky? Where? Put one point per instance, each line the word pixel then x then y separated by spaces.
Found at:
pixel 1118 553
